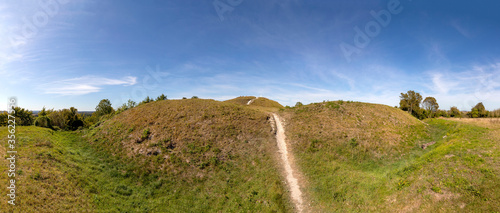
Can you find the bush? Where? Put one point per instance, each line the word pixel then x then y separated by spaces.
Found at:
pixel 66 119
pixel 104 108
pixel 43 121
pixel 299 104
pixel 161 97
pixel 23 116
pixel 4 118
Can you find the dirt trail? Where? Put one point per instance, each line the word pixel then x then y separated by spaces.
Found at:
pixel 251 101
pixel 286 162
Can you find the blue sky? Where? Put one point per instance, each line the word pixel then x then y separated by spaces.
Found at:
pixel 63 53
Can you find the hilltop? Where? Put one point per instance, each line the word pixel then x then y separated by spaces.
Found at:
pixel 210 149
pixel 259 103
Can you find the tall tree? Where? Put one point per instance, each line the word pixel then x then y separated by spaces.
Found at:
pixel 430 104
pixel 103 108
pixel 478 111
pixel 410 101
pixel 161 97
pixel 454 112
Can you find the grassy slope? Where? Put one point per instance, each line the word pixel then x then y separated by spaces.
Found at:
pixel 43 181
pixel 260 104
pixel 214 155
pixel 367 157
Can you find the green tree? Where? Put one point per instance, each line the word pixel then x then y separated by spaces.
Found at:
pixel 454 112
pixel 161 97
pixel 103 108
pixel 146 100
pixel 4 118
pixel 430 104
pixel 478 111
pixel 43 112
pixel 129 105
pixel 43 121
pixel 410 102
pixel 22 116
pixel 194 97
pixel 299 104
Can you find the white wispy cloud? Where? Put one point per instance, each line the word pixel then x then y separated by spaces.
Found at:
pixel 459 27
pixel 466 88
pixel 85 85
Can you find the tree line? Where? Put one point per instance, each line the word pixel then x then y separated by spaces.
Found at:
pixel 70 119
pixel 411 102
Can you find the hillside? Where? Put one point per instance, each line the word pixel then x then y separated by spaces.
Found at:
pixel 208 156
pixel 165 156
pixel 259 103
pixel 367 157
pixel 217 155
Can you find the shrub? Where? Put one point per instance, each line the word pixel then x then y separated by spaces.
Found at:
pixel 145 134
pixel 43 121
pixel 3 118
pixel 23 116
pixel 299 104
pixel 161 97
pixel 103 108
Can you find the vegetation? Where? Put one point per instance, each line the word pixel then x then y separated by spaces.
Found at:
pixel 362 157
pixel 104 108
pixel 258 103
pixel 203 155
pixel 410 102
pixel 478 111
pixel 23 116
pixel 162 97
pixel 431 106
pixel 455 113
pixel 209 150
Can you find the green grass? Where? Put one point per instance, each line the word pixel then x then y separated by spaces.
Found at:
pixel 208 156
pixel 62 172
pixel 347 169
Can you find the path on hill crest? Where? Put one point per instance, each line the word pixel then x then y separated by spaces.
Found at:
pixel 286 162
pixel 251 101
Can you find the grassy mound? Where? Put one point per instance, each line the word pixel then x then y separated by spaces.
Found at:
pixel 258 103
pixel 215 155
pixel 242 100
pixel 366 157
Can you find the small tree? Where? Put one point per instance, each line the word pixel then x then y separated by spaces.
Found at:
pixel 410 102
pixel 299 104
pixel 194 97
pixel 161 97
pixel 454 112
pixel 4 118
pixel 22 116
pixel 430 104
pixel 103 108
pixel 43 112
pixel 478 111
pixel 43 121
pixel 146 100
